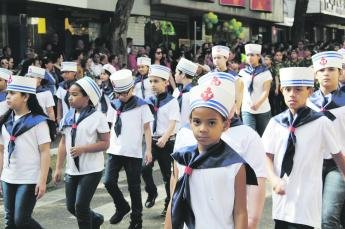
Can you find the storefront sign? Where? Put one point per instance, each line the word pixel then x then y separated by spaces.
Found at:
pixel 261 5
pixel 240 3
pixel 333 7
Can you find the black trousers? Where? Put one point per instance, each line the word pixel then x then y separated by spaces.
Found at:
pixel 286 225
pixel 79 192
pixel 163 156
pixel 132 168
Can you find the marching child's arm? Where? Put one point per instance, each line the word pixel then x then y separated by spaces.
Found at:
pixel 45 163
pixel 61 155
pixel 339 159
pixel 277 183
pixel 59 111
pixel 148 141
pixel 240 205
pixel 239 95
pixel 101 145
pixel 170 129
pixel 51 114
pixel 1 162
pixel 173 181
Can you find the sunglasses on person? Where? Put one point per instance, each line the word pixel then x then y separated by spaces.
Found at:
pixel 159 52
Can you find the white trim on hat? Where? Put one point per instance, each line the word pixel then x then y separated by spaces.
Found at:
pixel 122 80
pixel 5 73
pixel 69 66
pixel 296 76
pixel 36 72
pixel 220 50
pixel 187 67
pixel 252 49
pixel 327 59
pixel 144 61
pixel 159 71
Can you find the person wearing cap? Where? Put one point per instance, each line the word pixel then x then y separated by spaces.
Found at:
pixel 4 76
pixel 247 143
pixel 211 187
pixel 296 142
pixel 69 72
pixel 256 110
pixel 85 135
pixel 106 87
pixel 220 56
pixel 142 87
pixel 49 76
pixel 166 114
pixel 185 71
pixel 330 100
pixel 24 153
pixel 43 94
pixel 131 117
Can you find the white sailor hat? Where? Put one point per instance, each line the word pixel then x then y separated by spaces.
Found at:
pixel 187 67
pixel 220 50
pixel 143 61
pixel 122 80
pixel 215 94
pixel 91 89
pixel 36 72
pixel 69 67
pixel 159 71
pixel 214 77
pixel 252 49
pixel 5 73
pixel 296 76
pixel 21 84
pixel 342 52
pixel 327 59
pixel 109 68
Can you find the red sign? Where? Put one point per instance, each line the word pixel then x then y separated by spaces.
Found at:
pixel 240 3
pixel 261 5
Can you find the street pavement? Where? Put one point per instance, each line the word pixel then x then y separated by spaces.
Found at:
pixel 51 210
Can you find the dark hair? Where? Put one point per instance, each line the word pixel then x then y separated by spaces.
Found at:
pixel 83 92
pixel 35 109
pixel 223 118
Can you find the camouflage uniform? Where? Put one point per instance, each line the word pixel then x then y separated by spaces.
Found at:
pixel 306 63
pixel 291 63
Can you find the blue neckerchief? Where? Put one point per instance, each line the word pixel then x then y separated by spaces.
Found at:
pixel 106 91
pixel 304 116
pixel 50 78
pixel 69 120
pixel 254 72
pixel 141 79
pixel 41 89
pixel 3 95
pixel 157 102
pixel 337 100
pixel 16 128
pixel 229 71
pixel 121 107
pixel 66 85
pixel 182 91
pixel 235 121
pixel 219 155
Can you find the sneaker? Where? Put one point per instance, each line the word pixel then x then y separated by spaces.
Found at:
pixel 96 224
pixel 151 199
pixel 135 225
pixel 164 212
pixel 118 216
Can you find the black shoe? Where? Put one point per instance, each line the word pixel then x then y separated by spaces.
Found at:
pixel 164 212
pixel 135 225
pixel 119 214
pixel 96 224
pixel 151 199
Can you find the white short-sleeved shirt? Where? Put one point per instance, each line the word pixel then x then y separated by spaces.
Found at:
pixel 148 91
pixel 168 112
pixel 129 142
pixel 244 140
pixel 216 188
pixel 302 201
pixel 60 94
pixel 25 162
pixel 45 100
pixel 87 133
pixel 185 110
pixel 247 143
pixel 3 107
pixel 339 122
pixel 250 99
